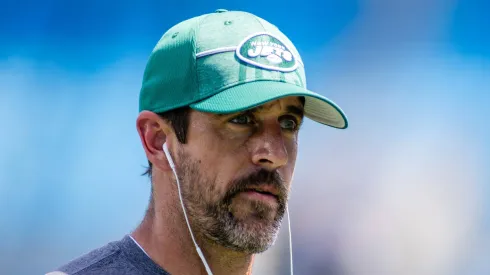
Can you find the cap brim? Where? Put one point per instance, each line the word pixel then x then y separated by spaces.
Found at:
pixel 249 95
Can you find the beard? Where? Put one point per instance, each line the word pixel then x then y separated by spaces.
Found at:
pixel 249 227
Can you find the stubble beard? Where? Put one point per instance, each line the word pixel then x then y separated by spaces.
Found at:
pixel 211 214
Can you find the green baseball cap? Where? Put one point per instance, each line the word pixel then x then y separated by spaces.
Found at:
pixel 226 62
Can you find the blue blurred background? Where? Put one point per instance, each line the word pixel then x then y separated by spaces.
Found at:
pixel 405 190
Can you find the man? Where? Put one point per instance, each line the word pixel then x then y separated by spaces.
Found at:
pixel 222 101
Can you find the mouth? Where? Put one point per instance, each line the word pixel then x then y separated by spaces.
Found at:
pixel 264 189
pixel 262 193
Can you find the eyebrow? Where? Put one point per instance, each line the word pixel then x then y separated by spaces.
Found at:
pixel 295 110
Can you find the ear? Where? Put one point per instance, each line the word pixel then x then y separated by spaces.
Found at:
pixel 154 132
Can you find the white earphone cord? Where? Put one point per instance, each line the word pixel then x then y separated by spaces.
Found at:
pixel 290 242
pixel 199 252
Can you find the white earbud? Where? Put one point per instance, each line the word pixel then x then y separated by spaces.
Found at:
pixel 169 157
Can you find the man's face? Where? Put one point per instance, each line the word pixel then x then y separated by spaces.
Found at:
pixel 235 172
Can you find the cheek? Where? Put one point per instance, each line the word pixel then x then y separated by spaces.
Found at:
pixel 219 163
pixel 288 169
pixel 217 142
pixel 222 148
pixel 293 147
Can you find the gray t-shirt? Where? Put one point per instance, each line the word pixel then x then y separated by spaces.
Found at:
pixel 122 257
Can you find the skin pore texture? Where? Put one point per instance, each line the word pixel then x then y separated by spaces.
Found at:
pixel 235 173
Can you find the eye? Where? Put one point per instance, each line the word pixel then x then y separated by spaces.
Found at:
pixel 243 119
pixel 289 123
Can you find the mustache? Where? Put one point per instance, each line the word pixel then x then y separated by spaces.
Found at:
pixel 257 179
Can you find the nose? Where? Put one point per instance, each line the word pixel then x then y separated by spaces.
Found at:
pixel 269 148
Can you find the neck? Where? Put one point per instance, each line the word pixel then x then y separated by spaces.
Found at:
pixel 165 237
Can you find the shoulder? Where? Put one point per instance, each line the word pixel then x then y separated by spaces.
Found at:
pixel 107 259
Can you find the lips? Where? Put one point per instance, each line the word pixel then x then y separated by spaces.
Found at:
pixel 264 189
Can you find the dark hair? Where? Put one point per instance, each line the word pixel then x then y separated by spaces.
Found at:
pixel 179 119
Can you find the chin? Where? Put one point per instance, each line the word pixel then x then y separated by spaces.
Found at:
pixel 254 235
pixel 255 212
